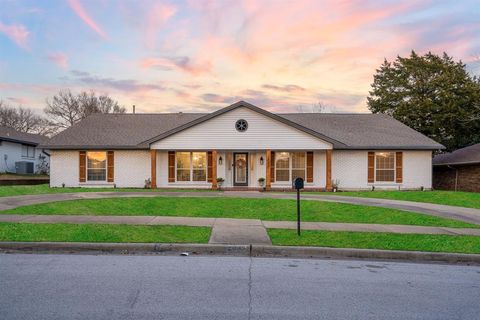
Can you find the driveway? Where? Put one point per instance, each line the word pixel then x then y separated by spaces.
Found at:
pixel 458 213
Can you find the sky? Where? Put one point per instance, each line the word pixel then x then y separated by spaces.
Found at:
pixel 199 56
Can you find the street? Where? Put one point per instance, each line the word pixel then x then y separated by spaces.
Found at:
pixel 48 286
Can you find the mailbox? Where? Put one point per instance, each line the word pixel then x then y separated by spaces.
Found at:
pixel 298 184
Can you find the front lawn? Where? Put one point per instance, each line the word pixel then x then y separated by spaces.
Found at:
pixel 264 209
pixel 7 191
pixel 102 233
pixel 452 198
pixel 370 240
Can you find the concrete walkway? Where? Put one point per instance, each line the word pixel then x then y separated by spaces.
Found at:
pixel 237 231
pixel 458 213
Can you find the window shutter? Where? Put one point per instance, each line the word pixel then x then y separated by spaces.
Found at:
pixel 110 166
pixel 209 166
pixel 171 166
pixel 399 167
pixel 371 167
pixel 310 166
pixel 82 168
pixel 272 167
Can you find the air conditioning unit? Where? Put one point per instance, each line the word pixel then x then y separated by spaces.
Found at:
pixel 24 167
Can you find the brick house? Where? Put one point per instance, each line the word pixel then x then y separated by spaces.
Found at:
pixel 245 146
pixel 459 170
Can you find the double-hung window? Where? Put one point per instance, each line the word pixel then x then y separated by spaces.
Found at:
pixel 289 166
pixel 96 166
pixel 191 166
pixel 28 151
pixel 385 166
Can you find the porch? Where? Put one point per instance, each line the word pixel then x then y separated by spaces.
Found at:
pixel 243 170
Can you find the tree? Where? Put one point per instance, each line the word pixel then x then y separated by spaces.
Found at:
pixel 23 119
pixel 65 109
pixel 432 94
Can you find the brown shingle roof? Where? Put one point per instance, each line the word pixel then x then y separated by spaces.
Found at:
pixel 344 131
pixel 467 155
pixel 9 134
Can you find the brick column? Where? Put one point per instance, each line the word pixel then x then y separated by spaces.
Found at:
pixel 214 170
pixel 153 168
pixel 328 167
pixel 268 167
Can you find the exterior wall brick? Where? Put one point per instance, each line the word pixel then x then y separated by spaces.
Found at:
pixel 468 178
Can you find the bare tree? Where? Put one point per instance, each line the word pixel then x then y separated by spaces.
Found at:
pixel 65 109
pixel 23 119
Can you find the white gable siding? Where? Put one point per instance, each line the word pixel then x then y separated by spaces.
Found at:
pixel 220 133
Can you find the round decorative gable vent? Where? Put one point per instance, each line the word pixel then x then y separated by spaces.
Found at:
pixel 241 125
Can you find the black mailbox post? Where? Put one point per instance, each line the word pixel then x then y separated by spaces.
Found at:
pixel 298 185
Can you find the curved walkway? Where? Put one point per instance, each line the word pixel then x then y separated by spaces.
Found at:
pixel 458 213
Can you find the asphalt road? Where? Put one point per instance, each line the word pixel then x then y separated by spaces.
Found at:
pixel 164 287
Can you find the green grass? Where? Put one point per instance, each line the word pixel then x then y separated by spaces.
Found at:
pixel 7 191
pixel 452 198
pixel 370 240
pixel 264 209
pixel 102 233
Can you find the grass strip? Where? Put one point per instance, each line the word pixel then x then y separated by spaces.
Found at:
pixel 102 233
pixel 373 240
pixel 264 209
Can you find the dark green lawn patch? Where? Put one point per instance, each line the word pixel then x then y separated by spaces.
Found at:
pixel 452 198
pixel 102 233
pixel 7 191
pixel 264 209
pixel 370 240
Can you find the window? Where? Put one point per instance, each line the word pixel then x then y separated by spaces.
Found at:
pixel 289 166
pixel 183 166
pixel 28 151
pixel 96 166
pixel 191 166
pixel 385 166
pixel 298 165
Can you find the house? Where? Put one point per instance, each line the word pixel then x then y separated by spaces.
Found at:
pixel 243 144
pixel 459 170
pixel 20 152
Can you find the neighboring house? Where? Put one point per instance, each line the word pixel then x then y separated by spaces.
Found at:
pixel 459 170
pixel 19 152
pixel 242 143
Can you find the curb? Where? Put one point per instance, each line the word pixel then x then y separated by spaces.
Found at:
pixel 237 251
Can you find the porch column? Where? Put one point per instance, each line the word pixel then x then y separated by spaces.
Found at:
pixel 214 170
pixel 153 168
pixel 268 167
pixel 328 166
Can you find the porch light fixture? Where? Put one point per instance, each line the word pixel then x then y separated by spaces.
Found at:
pixel 220 160
pixel 261 161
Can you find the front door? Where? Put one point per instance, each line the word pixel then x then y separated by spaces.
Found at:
pixel 240 172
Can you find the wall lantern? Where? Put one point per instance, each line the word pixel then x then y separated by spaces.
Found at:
pixel 220 160
pixel 261 161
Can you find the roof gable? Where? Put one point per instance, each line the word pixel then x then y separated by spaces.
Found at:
pixel 243 104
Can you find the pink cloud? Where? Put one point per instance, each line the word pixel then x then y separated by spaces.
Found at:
pixel 158 16
pixel 17 33
pixel 83 14
pixel 178 63
pixel 59 58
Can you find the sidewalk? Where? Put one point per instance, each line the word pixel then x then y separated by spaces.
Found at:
pixel 237 231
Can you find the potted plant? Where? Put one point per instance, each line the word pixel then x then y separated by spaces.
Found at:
pixel 148 183
pixel 261 182
pixel 220 182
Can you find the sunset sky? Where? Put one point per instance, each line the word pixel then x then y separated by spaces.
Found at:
pixel 196 55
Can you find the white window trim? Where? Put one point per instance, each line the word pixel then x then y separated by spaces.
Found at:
pixel 394 181
pixel 191 169
pixel 86 168
pixel 290 167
